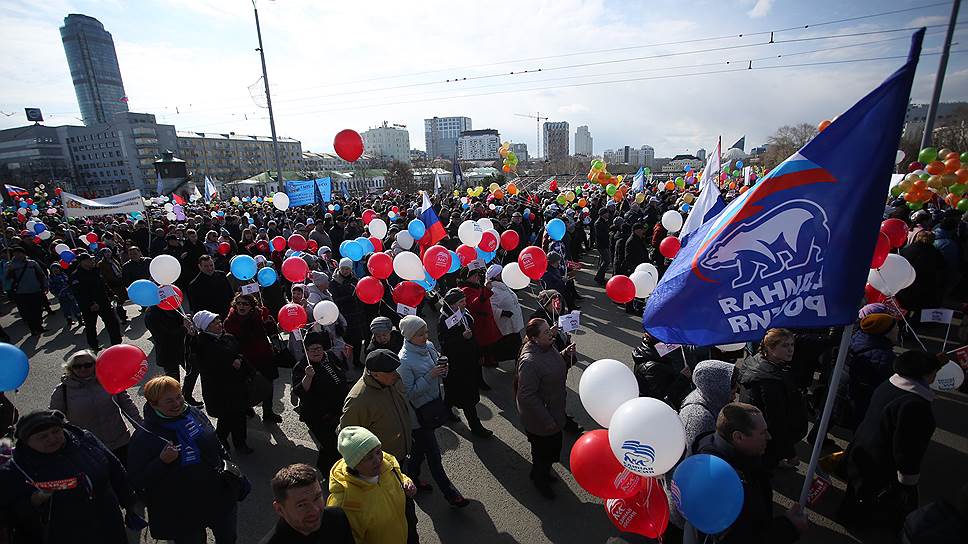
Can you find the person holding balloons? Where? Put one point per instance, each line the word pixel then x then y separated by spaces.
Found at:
pixel 60 288
pixel 92 296
pixel 250 323
pixel 28 288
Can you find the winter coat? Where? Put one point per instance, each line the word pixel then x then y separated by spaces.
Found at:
pixel 179 497
pixel 31 276
pixel 89 289
pixel 940 522
pixel 111 273
pixel 929 268
pixel 383 409
pixel 323 402
pixel 636 253
pixel 601 234
pixel 700 409
pixel 772 388
pixel 395 345
pixel 87 405
pixel 946 241
pixel 463 354
pixel 334 529
pixel 377 511
pixel 416 362
pixel 88 487
pixel 167 328
pixel 755 523
pixel 252 331
pixel 870 363
pixel 134 270
pixel 540 389
pixel 223 386
pixel 479 307
pixel 504 300
pixel 344 295
pixel 212 293
pixel 660 377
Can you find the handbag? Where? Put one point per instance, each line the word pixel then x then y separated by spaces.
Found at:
pixel 231 475
pixel 257 387
pixel 433 414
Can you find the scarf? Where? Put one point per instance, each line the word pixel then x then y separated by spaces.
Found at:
pixel 187 431
pixel 426 350
pixel 919 388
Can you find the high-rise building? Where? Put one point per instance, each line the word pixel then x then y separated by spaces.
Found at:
pixel 520 151
pixel 556 136
pixel 648 156
pixel 701 154
pixel 94 69
pixel 389 142
pixel 479 145
pixel 36 154
pixel 583 142
pixel 441 135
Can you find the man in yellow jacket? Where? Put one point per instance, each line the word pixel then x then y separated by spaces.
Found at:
pixel 370 488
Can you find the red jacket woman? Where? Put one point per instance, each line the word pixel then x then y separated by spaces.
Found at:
pixel 251 324
pixel 478 298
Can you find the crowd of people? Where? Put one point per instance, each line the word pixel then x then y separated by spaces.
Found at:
pixel 751 406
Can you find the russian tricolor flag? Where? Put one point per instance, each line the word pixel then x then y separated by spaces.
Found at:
pixel 435 230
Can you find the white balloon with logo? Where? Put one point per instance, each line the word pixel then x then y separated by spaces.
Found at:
pixel 646 436
pixel 604 386
pixel 894 275
pixel 949 378
pixel 470 233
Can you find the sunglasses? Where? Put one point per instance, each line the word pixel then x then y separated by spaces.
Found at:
pixel 83 365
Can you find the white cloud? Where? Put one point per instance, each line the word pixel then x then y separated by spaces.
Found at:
pixel 761 9
pixel 573 108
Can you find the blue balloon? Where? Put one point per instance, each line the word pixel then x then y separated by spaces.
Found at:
pixel 336 207
pixel 710 492
pixel 556 229
pixel 67 256
pixel 243 267
pixel 486 256
pixel 351 249
pixel 428 283
pixel 13 371
pixel 39 228
pixel 93 247
pixel 417 229
pixel 739 164
pixel 454 262
pixel 266 276
pixel 366 244
pixel 23 204
pixel 144 293
pixel 685 208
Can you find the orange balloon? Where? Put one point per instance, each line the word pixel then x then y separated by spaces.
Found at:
pixel 823 124
pixel 506 168
pixel 591 176
pixel 935 168
pixel 670 186
pixel 952 165
pixel 582 202
pixel 962 174
pixel 952 155
pixel 617 197
pixel 732 185
pixel 743 189
pixel 512 189
pixel 952 199
pixel 911 197
pixel 602 177
pixel 948 180
pixel 499 194
pixel 919 185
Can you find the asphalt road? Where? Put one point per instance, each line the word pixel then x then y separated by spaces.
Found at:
pixel 493 473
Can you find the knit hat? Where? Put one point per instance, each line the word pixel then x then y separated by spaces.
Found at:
pixel 454 295
pixel 544 297
pixel 299 286
pixel 411 325
pixel 354 443
pixel 381 324
pixel 916 364
pixel 316 338
pixel 382 360
pixel 877 323
pixel 346 262
pixel 37 421
pixel 494 271
pixel 203 318
pixel 877 308
pixel 323 249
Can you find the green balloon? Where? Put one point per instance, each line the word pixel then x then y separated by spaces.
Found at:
pixel 963 205
pixel 561 200
pixel 958 189
pixel 578 191
pixel 925 176
pixel 928 154
pixel 680 183
pixel 964 157
pixel 896 191
pixel 915 205
pixel 597 164
pixel 611 190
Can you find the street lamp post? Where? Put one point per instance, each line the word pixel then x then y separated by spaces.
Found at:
pixel 265 79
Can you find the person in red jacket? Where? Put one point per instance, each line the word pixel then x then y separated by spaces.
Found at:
pixel 252 324
pixel 486 332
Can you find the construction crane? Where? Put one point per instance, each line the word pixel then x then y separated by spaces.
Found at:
pixel 537 133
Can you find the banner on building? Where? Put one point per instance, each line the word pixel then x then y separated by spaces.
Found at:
pixel 300 192
pixel 78 206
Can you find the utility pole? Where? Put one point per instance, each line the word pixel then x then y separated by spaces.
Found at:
pixel 537 118
pixel 265 79
pixel 939 77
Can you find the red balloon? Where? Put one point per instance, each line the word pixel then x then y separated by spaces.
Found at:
pixel 646 514
pixel 620 289
pixel 297 242
pixel 510 240
pixel 553 186
pixel 368 215
pixel 172 302
pixel 278 243
pixel 395 209
pixel 120 366
pixel 408 293
pixel 63 264
pixel 669 247
pixel 466 254
pixel 914 166
pixel 872 295
pixel 380 265
pixel 91 238
pixel 377 244
pixel 292 316
pixel 881 250
pixel 488 242
pixel 596 469
pixel 533 262
pixel 896 230
pixel 312 246
pixel 348 145
pixel 295 269
pixel 437 261
pixel 224 248
pixel 37 240
pixel 58 191
pixel 370 289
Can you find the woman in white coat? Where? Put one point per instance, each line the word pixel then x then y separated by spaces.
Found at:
pixel 507 315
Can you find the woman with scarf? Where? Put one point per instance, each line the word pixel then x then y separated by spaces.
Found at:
pixel 251 324
pixel 421 372
pixel 319 382
pixel 486 333
pixel 176 464
pixel 457 343
pixel 343 288
pixel 383 336
pixel 110 268
pixel 223 374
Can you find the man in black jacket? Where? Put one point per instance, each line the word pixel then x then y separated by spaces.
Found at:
pixel 210 290
pixel 740 440
pixel 298 498
pixel 602 244
pixel 92 297
pixel 136 268
pixel 659 375
pixel 320 384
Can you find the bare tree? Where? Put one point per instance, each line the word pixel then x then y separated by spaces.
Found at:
pixel 400 176
pixel 786 141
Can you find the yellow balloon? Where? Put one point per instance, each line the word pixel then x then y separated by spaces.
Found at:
pixel 640 198
pixel 688 198
pixel 619 179
pixel 470 192
pixel 456 193
pixel 570 196
pixel 493 187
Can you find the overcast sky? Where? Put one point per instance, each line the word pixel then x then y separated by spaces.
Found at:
pixel 336 64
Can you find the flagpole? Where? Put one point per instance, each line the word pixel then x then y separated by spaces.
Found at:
pixel 939 77
pixel 827 410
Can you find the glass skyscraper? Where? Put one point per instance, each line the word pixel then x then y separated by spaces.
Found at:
pixel 94 68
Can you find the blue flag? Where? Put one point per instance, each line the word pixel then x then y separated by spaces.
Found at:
pixel 458 176
pixel 794 250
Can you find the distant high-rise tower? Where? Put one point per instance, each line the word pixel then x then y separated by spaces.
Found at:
pixel 583 142
pixel 94 68
pixel 556 140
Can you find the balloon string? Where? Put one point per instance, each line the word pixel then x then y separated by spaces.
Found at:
pixel 135 423
pixel 906 323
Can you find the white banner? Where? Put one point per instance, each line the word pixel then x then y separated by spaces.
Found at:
pixel 78 206
pixel 937 315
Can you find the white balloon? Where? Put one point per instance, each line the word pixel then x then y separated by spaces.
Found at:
pixel 470 233
pixel 44 235
pixel 646 436
pixel 672 221
pixel 408 266
pixel 949 378
pixel 650 269
pixel 731 347
pixel 405 240
pixel 60 248
pixel 604 386
pixel 169 207
pixel 35 213
pixel 30 225
pixel 326 312
pixel 164 269
pixel 512 276
pixel 644 283
pixel 894 275
pixel 899 157
pixel 170 216
pixel 280 201
pixel 377 228
pixel 485 223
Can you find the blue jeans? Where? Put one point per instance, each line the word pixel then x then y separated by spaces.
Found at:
pixel 425 445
